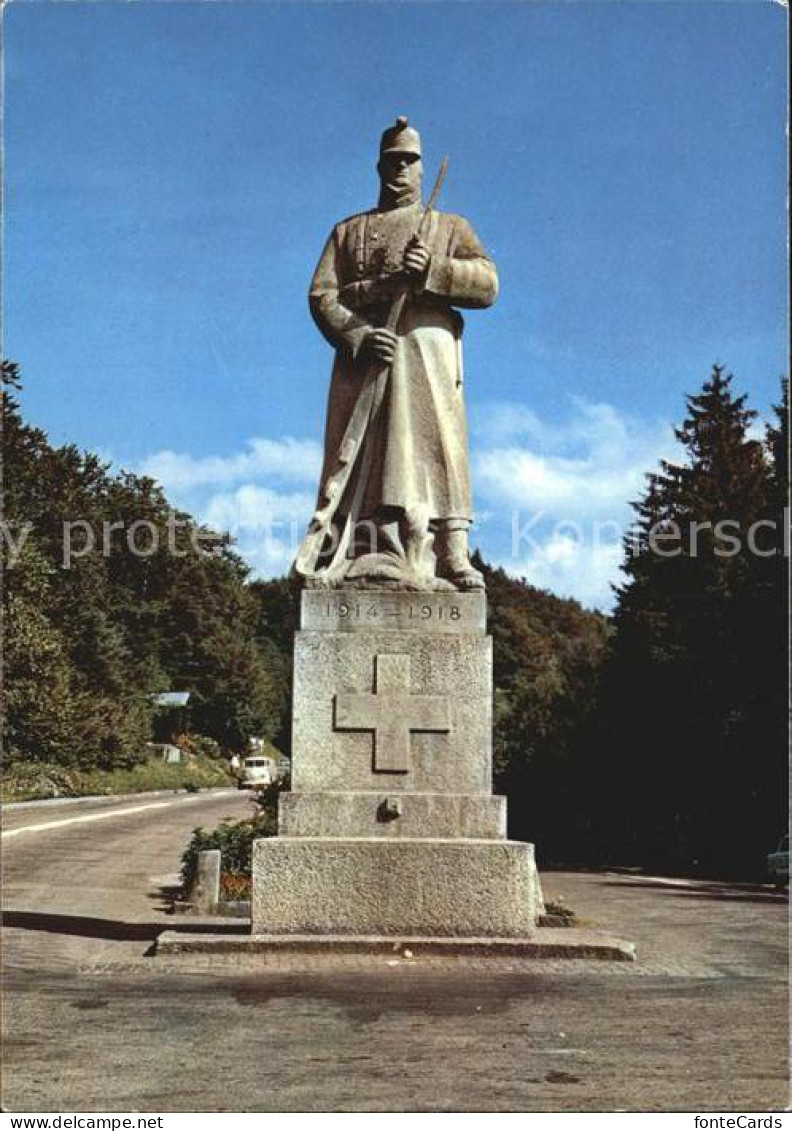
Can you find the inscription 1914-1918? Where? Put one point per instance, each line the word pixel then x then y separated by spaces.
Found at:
pixel 374 609
pixel 401 612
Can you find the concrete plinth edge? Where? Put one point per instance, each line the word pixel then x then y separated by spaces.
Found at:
pixel 543 943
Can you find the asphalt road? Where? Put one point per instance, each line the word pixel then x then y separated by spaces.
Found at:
pixel 92 1023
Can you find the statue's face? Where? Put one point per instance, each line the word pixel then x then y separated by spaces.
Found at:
pixel 401 173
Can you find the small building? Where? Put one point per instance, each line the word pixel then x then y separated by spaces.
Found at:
pixel 166 751
pixel 171 715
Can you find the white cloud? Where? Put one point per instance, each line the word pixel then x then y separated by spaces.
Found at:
pixel 285 458
pixel 568 484
pixel 757 430
pixel 267 525
pixel 570 567
pixel 557 494
pixel 587 468
pixel 247 494
pixel 255 507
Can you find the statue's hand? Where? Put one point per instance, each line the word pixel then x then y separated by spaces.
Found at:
pixel 416 257
pixel 380 345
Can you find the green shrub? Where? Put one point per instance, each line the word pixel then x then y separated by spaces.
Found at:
pixel 267 797
pixel 235 841
pixel 200 746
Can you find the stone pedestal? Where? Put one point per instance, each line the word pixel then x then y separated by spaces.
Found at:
pixel 391 828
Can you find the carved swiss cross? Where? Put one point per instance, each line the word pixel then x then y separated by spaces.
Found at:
pixel 392 713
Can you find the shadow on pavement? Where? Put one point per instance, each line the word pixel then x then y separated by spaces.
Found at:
pixel 736 896
pixel 703 889
pixel 81 925
pixel 114 929
pixel 165 897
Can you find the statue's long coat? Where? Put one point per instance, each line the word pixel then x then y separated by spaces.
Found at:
pixel 420 456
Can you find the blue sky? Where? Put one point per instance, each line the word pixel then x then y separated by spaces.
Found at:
pixel 173 170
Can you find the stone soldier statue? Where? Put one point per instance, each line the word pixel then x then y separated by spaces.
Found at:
pixel 395 505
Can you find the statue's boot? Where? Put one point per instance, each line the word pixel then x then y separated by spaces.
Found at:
pixel 453 556
pixel 380 555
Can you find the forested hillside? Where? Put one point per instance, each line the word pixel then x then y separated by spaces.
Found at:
pixel 93 629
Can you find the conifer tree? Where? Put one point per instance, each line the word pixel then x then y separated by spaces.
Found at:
pixel 691 671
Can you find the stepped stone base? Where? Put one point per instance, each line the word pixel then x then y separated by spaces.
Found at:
pixel 544 943
pixel 377 886
pixel 395 815
pixel 391 830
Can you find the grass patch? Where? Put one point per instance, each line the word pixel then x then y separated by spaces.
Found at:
pixel 560 910
pixel 557 914
pixel 34 781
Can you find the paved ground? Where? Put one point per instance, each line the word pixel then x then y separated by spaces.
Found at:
pixel 92 1024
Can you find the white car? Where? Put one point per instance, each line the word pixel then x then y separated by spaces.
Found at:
pixel 256 771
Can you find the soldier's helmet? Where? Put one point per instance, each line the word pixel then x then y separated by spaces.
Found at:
pixel 401 138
